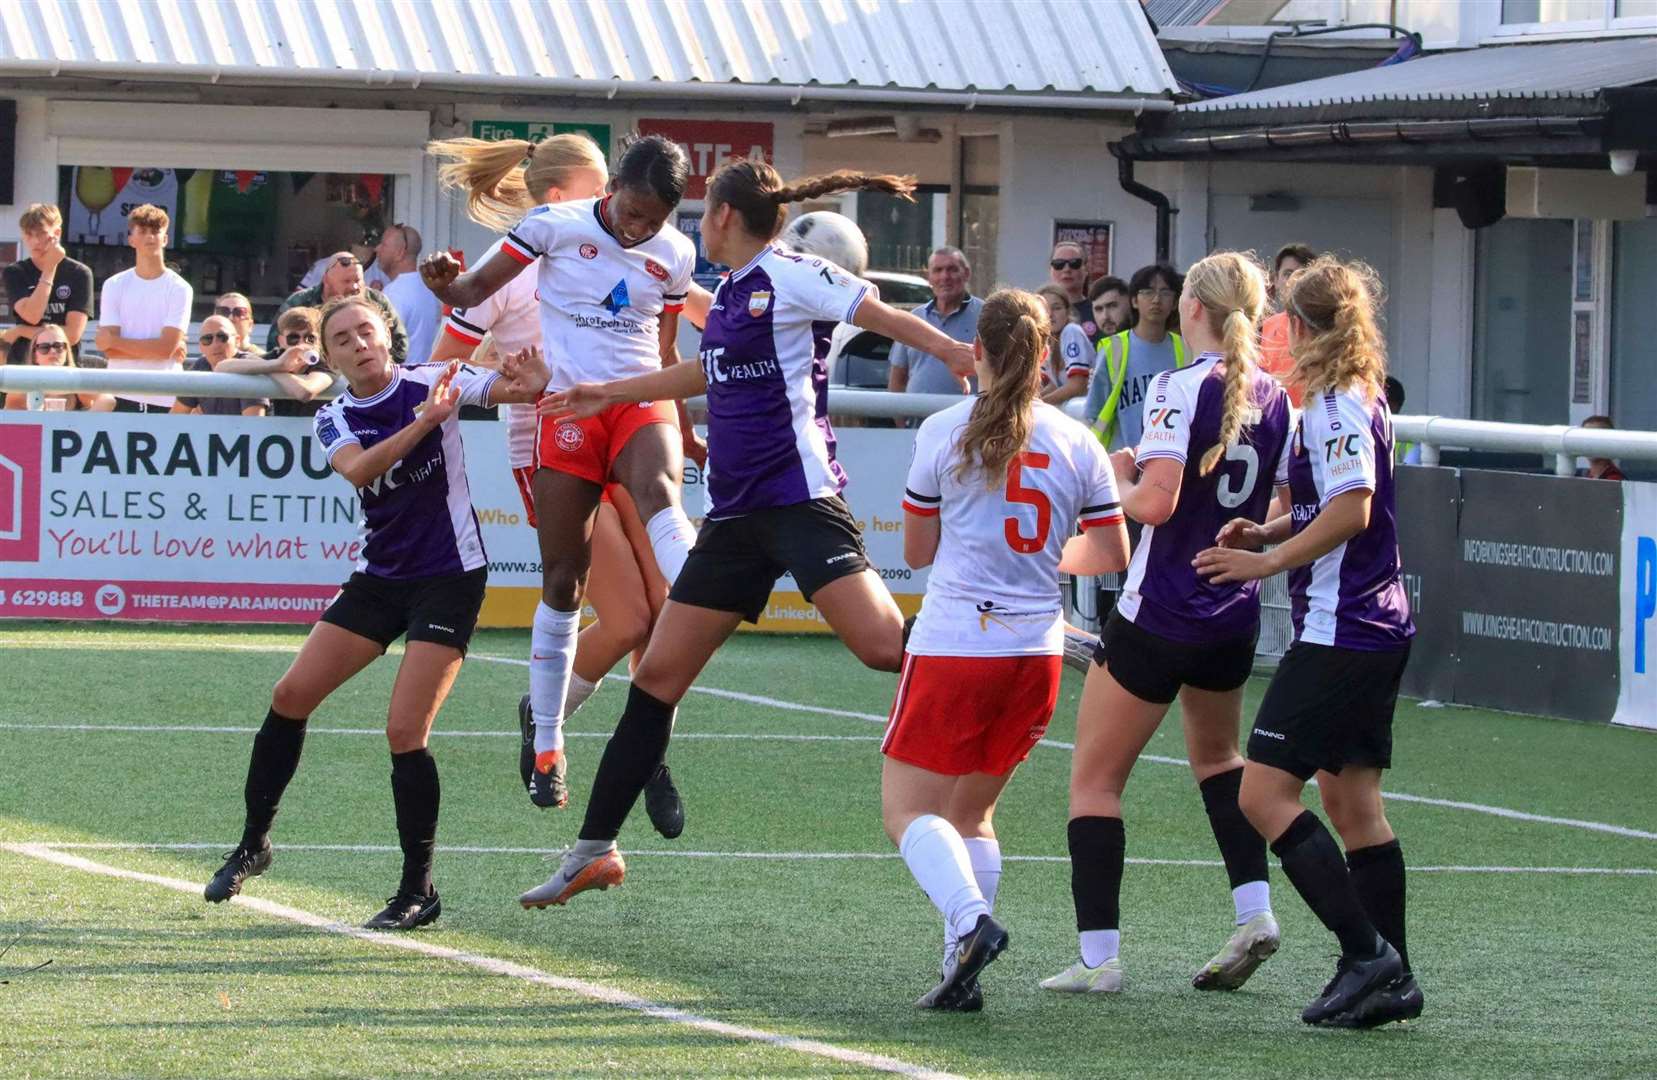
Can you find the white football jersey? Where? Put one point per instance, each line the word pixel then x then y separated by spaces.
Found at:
pixel 514 317
pixel 994 587
pixel 600 299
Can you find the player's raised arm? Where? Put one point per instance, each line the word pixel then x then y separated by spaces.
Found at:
pixel 442 275
pixel 917 333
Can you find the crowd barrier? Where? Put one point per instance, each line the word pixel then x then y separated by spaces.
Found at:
pixel 1531 593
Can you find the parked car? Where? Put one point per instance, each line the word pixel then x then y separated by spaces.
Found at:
pixel 859 358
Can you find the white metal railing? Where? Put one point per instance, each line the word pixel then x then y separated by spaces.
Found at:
pixel 37 381
pixel 1561 442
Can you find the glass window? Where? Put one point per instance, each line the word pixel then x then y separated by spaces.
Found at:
pixel 1522 322
pixel 1552 11
pixel 899 231
pixel 1636 9
pixel 1634 324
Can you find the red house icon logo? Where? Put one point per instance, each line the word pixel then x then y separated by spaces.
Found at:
pixel 20 492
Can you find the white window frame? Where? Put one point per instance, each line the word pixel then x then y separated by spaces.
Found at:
pixel 1608 24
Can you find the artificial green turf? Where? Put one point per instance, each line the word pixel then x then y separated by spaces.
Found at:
pixel 1526 974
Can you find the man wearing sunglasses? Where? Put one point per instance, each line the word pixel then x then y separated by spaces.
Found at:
pixel 239 310
pixel 295 365
pixel 1068 270
pixel 219 342
pixel 344 277
pixel 46 286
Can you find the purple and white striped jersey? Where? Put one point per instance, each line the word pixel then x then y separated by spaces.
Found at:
pixel 418 519
pixel 1163 593
pixel 769 438
pixel 1353 597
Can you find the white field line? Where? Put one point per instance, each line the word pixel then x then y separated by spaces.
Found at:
pixel 775 856
pixel 599 992
pixel 795 706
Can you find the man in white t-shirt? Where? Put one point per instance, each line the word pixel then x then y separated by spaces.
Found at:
pixel 399 255
pixel 144 312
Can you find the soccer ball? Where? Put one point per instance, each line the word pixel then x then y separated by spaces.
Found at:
pixel 830 236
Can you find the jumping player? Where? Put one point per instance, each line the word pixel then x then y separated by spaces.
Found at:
pixel 773 483
pixel 612 278
pixel 1212 431
pixel 996 489
pixel 1328 711
pixel 625 588
pixel 395 436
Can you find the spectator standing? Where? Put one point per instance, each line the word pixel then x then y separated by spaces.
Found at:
pixel 1112 307
pixel 47 288
pixel 219 342
pixel 295 364
pixel 1069 352
pixel 239 310
pixel 1127 362
pixel 344 277
pixel 399 255
pixel 1068 268
pixel 372 275
pixel 1274 332
pixel 953 310
pixel 50 348
pixel 145 312
pixel 1602 468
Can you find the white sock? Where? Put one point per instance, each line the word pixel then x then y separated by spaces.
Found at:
pixel 1251 898
pixel 935 855
pixel 580 690
pixel 671 537
pixel 1098 946
pixel 551 656
pixel 984 854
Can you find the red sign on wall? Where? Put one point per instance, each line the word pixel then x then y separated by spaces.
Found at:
pixel 711 143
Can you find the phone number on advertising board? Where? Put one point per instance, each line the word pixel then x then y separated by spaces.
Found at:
pixel 45 598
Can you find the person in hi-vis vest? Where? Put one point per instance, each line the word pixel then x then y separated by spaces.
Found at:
pixel 1125 363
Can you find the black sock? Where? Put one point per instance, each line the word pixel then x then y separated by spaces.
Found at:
pixel 1241 847
pixel 275 757
pixel 416 793
pixel 1313 864
pixel 1378 875
pixel 1098 846
pixel 631 757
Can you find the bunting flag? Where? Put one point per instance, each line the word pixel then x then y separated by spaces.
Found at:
pixel 374 184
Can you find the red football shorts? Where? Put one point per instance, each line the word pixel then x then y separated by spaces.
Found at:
pixel 589 448
pixel 955 715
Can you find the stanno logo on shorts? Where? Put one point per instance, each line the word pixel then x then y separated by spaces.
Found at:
pixel 570 437
pixel 1270 734
pixel 445 629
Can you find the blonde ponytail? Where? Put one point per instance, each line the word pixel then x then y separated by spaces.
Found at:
pixel 1012 331
pixel 500 188
pixel 1231 286
pixel 1242 353
pixel 1336 304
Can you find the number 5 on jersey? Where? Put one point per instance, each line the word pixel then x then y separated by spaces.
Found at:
pixel 1028 496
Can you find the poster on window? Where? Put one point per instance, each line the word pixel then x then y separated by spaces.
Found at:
pixel 707 272
pixel 101 197
pixel 1094 238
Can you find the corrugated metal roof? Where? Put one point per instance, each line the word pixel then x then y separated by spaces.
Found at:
pixel 1554 69
pixel 988 46
pixel 1181 12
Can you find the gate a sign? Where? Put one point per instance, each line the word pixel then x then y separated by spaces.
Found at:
pixel 711 143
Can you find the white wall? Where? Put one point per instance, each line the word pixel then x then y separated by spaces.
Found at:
pixel 1060 169
pixel 1425 256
